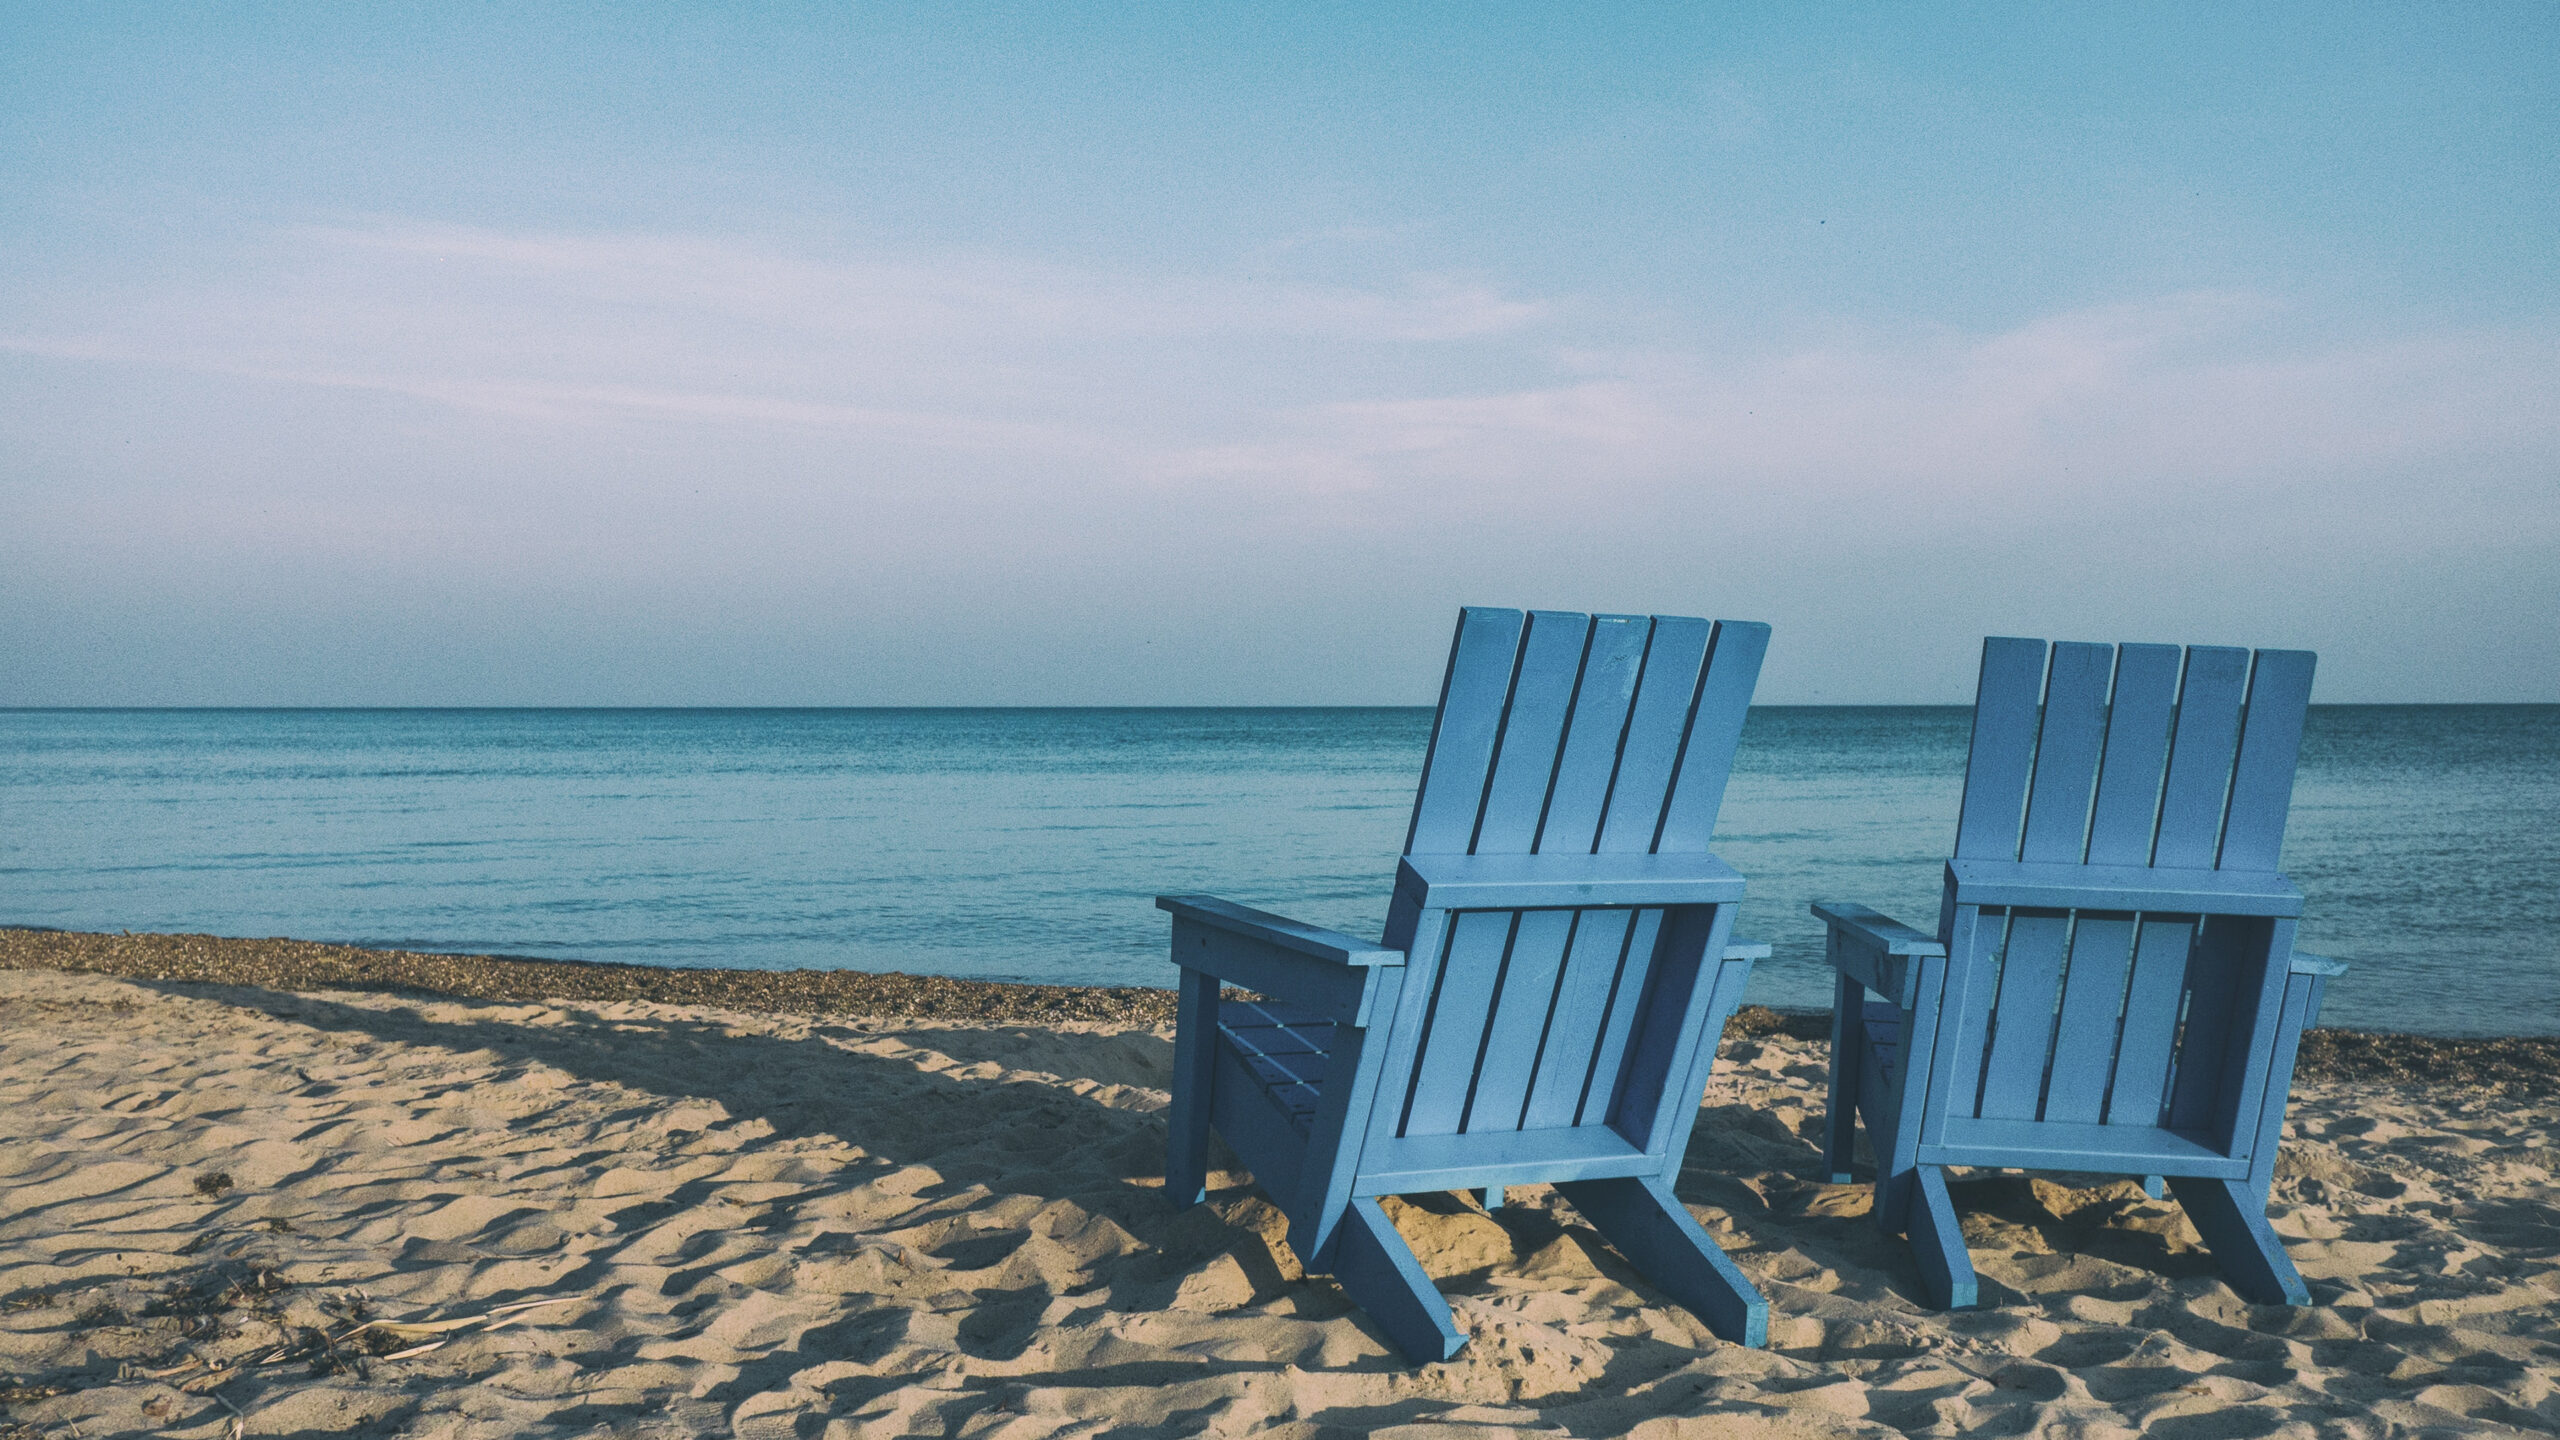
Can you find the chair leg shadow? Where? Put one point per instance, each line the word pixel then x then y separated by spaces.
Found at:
pixel 1648 1224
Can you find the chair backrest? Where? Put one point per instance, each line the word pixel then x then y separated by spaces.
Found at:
pixel 2140 766
pixel 2121 755
pixel 1561 733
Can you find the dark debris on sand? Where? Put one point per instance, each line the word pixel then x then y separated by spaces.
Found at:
pixel 2524 1065
pixel 2519 1065
pixel 306 965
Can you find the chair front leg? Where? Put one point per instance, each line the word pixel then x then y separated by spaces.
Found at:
pixel 1848 1044
pixel 1195 1056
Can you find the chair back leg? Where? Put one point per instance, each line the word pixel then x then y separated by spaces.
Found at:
pixel 1937 1242
pixel 1377 1270
pixel 1648 1224
pixel 2232 1218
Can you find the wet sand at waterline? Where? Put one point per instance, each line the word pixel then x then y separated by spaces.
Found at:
pixel 272 1188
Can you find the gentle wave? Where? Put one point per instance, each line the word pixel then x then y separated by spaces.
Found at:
pixel 1027 844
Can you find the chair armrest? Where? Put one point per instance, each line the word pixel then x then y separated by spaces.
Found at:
pixel 2313 973
pixel 1566 881
pixel 1306 965
pixel 1875 949
pixel 1746 950
pixel 1876 930
pixel 1277 930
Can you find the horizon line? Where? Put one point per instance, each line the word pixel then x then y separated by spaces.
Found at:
pixel 931 709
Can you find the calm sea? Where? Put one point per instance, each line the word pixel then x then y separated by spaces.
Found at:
pixel 1026 844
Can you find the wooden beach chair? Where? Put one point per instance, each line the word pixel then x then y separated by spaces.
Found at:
pixel 1545 1006
pixel 2112 988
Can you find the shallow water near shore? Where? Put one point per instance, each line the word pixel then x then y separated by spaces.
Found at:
pixel 1026 844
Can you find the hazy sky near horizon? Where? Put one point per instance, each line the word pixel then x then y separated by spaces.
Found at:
pixel 1114 353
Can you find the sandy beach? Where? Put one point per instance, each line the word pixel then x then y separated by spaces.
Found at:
pixel 255 1188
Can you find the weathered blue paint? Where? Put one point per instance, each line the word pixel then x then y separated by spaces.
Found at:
pixel 2113 986
pixel 1544 1007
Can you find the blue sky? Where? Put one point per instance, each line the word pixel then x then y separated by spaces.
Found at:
pixel 1210 354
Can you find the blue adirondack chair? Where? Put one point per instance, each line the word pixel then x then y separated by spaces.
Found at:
pixel 2113 987
pixel 1545 1005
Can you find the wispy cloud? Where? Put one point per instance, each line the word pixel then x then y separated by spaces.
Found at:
pixel 2166 396
pixel 685 427
pixel 970 350
pixel 971 293
pixel 586 403
pixel 1408 391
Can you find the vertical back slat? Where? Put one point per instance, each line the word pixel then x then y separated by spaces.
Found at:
pixel 1657 723
pixel 2261 947
pixel 1657 1101
pixel 2270 747
pixel 1524 761
pixel 1724 702
pixel 2143 1052
pixel 2003 752
pixel 2067 744
pixel 2214 1009
pixel 2128 806
pixel 1446 811
pixel 1609 1054
pixel 1581 1005
pixel 1519 1019
pixel 1597 1010
pixel 1463 735
pixel 2022 1027
pixel 1500 1021
pixel 2200 757
pixel 1599 720
pixel 2084 1038
pixel 1964 1017
pixel 1453 1037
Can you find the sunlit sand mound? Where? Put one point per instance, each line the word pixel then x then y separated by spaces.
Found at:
pixel 366 1213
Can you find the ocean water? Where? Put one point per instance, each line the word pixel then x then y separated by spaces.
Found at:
pixel 1027 844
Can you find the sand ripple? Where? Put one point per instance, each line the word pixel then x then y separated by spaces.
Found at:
pixel 776 1226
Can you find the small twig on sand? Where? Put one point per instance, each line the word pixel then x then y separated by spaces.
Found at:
pixel 239 1419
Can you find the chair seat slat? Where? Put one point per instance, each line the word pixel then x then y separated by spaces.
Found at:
pixel 1285 1048
pixel 1884 1039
